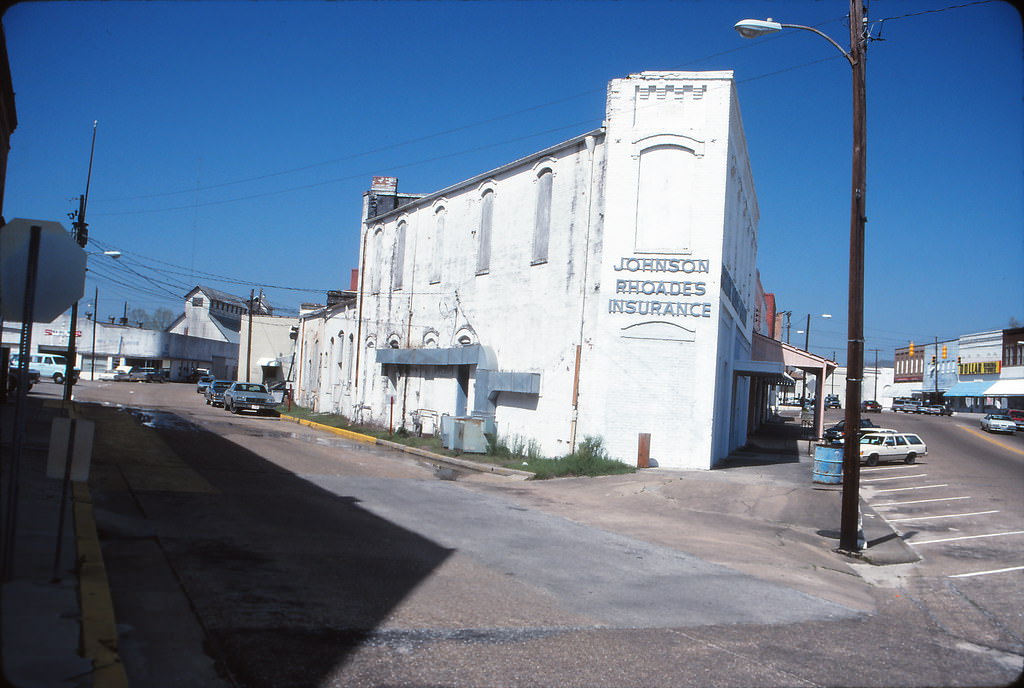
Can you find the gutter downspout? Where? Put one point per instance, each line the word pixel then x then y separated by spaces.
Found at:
pixel 359 315
pixel 591 144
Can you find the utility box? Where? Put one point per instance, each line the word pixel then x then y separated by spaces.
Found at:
pixel 463 434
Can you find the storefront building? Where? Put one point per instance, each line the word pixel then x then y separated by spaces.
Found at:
pixel 605 286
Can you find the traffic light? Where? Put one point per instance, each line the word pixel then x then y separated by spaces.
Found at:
pixel 933 359
pixel 911 351
pixel 944 356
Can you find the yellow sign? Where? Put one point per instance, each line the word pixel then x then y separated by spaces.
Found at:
pixel 980 368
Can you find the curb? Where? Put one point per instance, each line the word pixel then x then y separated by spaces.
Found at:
pixel 437 459
pixel 99 627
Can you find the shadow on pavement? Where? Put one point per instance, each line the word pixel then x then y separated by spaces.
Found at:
pixel 285 579
pixel 779 440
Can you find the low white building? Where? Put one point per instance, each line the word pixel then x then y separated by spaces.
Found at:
pixel 605 286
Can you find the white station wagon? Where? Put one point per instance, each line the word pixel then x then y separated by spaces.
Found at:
pixel 875 446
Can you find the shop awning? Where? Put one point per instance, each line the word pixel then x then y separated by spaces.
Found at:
pixel 969 389
pixel 1006 388
pixel 770 371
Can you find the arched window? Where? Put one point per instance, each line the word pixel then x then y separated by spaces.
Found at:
pixel 483 256
pixel 665 198
pixel 377 260
pixel 437 249
pixel 398 262
pixel 542 218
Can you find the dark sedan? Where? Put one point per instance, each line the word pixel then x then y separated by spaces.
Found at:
pixel 215 392
pixel 835 434
pixel 870 406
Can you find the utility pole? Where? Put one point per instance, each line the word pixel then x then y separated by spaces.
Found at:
pixel 80 233
pixel 95 316
pixel 248 341
pixel 876 373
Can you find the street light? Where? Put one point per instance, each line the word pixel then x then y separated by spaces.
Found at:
pixel 807 347
pixel 752 28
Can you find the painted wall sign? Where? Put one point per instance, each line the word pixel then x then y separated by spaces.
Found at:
pixel 664 307
pixel 662 265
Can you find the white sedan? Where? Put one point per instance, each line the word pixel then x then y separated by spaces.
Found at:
pixel 998 422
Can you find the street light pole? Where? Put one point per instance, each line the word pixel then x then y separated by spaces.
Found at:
pixel 849 530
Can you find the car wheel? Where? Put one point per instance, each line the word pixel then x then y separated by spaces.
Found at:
pixel 872 460
pixel 911 458
pixel 58 378
pixel 207 402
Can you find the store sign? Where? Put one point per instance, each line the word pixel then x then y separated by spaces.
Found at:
pixel 384 184
pixel 980 368
pixel 60 334
pixel 659 294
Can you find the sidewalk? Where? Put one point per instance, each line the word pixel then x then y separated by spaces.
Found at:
pixel 62 632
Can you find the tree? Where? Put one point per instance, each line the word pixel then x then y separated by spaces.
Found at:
pixel 159 319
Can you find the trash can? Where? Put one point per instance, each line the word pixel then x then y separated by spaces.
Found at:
pixel 828 465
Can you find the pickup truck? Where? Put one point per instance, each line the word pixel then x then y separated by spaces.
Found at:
pixel 935 410
pixel 906 405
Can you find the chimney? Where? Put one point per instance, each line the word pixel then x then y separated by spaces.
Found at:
pixel 353 284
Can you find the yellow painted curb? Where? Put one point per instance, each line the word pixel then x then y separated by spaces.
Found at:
pixel 424 453
pixel 99 628
pixel 348 434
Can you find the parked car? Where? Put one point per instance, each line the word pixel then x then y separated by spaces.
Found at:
pixel 50 366
pixel 203 383
pixel 832 401
pixel 935 410
pixel 875 446
pixel 1018 417
pixel 140 374
pixel 998 422
pixel 836 433
pixel 906 405
pixel 215 392
pixel 14 379
pixel 249 396
pixel 870 406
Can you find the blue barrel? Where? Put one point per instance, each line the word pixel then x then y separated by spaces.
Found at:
pixel 828 465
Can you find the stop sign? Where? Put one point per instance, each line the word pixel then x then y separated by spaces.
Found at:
pixel 60 276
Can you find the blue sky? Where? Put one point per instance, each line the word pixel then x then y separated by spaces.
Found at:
pixel 235 139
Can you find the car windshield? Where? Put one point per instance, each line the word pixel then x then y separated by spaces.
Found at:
pixel 250 388
pixel 220 386
pixel 998 417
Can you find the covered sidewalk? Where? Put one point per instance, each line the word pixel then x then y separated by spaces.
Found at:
pixel 771 359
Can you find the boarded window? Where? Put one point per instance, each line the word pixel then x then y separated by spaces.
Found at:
pixel 377 257
pixel 483 256
pixel 542 219
pixel 398 262
pixel 437 249
pixel 665 200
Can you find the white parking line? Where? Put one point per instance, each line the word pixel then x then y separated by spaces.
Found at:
pixel 918 501
pixel 920 487
pixel 985 573
pixel 968 537
pixel 896 477
pixel 874 469
pixel 932 518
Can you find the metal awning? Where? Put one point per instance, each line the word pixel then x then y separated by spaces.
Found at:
pixel 969 389
pixel 771 372
pixel 1006 388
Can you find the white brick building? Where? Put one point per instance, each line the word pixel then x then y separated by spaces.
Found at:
pixel 604 286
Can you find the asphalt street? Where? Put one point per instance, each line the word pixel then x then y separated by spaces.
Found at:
pixel 245 551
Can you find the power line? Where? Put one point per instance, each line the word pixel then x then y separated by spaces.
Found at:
pixel 420 139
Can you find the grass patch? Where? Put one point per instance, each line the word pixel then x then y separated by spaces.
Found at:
pixel 590 458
